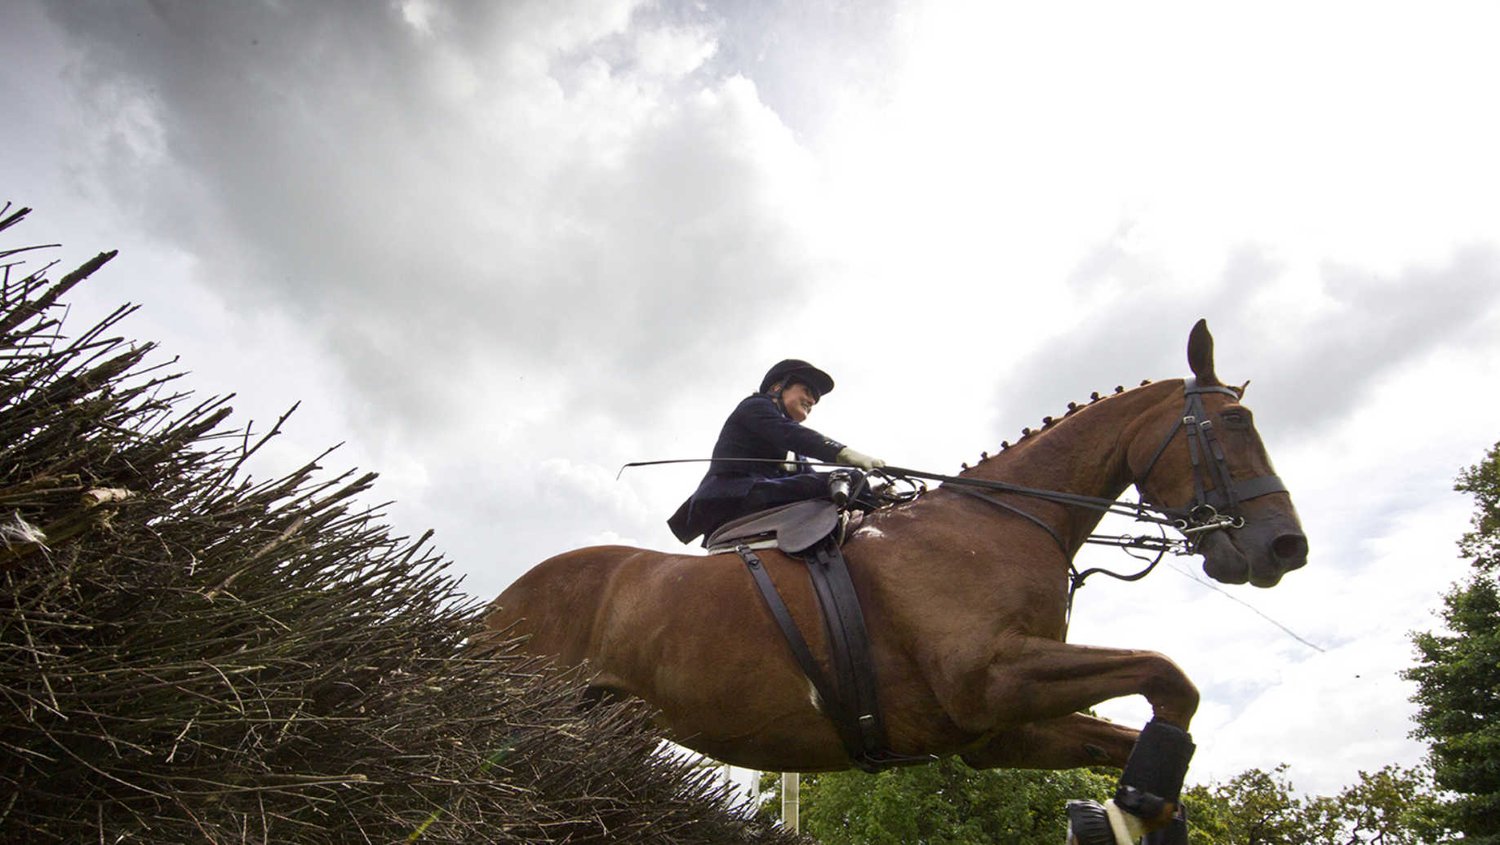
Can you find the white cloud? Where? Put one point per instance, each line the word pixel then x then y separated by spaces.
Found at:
pixel 674 52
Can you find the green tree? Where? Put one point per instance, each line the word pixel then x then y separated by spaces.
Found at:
pixel 1458 673
pixel 949 804
pixel 944 803
pixel 1255 807
pixel 1392 806
pixel 1483 481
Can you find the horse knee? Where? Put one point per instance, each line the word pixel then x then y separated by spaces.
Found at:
pixel 1172 694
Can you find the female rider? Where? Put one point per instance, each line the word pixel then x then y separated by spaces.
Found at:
pixel 764 427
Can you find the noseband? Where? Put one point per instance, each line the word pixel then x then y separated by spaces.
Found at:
pixel 1216 495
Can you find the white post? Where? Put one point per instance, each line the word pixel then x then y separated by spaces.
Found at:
pixel 791 788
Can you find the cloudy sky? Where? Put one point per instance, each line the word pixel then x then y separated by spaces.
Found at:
pixel 500 249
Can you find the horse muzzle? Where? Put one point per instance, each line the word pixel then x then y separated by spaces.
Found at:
pixel 1258 553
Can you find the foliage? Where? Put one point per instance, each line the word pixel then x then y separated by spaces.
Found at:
pixel 1458 672
pixel 1254 806
pixel 947 803
pixel 1483 481
pixel 189 655
pixel 1393 806
pixel 944 803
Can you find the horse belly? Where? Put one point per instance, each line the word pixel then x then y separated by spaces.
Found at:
pixel 693 639
pixel 691 636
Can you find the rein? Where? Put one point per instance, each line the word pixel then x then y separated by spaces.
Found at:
pixel 1140 511
pixel 1216 495
pixel 1210 467
pixel 1203 515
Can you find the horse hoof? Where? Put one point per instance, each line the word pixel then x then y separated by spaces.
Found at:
pixel 1092 823
pixel 1088 824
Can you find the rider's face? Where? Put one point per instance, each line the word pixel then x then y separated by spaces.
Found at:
pixel 798 401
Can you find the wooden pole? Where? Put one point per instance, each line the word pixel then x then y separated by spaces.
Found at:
pixel 791 789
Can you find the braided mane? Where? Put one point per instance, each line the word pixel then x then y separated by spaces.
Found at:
pixel 1048 422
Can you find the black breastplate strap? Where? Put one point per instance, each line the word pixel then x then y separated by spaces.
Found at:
pixel 850 701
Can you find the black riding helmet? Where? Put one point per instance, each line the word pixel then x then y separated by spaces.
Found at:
pixel 793 369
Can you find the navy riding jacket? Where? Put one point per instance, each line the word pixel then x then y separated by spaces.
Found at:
pixel 758 428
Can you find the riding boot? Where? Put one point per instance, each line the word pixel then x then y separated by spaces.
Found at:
pixel 850 488
pixel 1087 824
pixel 1092 823
pixel 1148 794
pixel 843 485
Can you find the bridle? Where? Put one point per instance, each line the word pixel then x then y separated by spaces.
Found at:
pixel 1213 507
pixel 1217 496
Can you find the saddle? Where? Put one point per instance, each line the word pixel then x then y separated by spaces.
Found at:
pixel 809 530
pixel 793 528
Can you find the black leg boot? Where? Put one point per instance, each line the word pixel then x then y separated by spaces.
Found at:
pixel 1148 795
pixel 1088 824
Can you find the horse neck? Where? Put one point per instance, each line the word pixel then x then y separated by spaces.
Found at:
pixel 1085 453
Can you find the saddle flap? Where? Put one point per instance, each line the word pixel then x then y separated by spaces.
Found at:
pixel 796 527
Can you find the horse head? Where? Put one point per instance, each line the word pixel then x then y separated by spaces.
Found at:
pixel 1212 471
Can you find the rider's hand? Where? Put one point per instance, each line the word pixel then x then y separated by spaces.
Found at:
pixel 858 459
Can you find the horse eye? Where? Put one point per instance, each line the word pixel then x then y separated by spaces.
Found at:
pixel 1236 418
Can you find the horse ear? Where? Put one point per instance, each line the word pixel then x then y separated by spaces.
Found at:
pixel 1201 353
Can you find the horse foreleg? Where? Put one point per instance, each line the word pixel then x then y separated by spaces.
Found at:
pixel 1045 679
pixel 1038 678
pixel 1074 741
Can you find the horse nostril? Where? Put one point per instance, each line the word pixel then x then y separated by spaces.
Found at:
pixel 1291 549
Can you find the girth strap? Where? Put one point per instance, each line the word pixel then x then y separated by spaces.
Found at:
pixel 851 702
pixel 794 639
pixel 848 641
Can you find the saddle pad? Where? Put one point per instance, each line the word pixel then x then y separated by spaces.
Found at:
pixel 797 526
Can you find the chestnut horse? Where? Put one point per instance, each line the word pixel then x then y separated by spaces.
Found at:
pixel 965 604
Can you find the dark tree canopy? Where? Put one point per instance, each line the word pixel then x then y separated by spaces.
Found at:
pixel 948 803
pixel 1458 672
pixel 1482 480
pixel 1254 806
pixel 945 803
pixel 1392 806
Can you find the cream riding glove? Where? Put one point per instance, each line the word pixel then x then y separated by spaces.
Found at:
pixel 858 459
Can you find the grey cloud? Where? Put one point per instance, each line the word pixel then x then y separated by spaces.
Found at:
pixel 1381 322
pixel 793 50
pixel 498 520
pixel 1311 372
pixel 434 231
